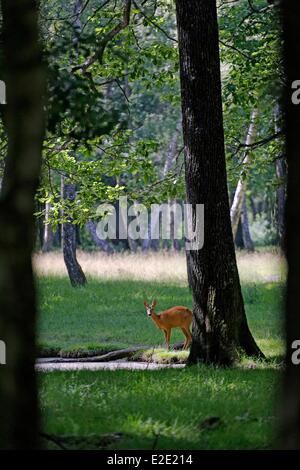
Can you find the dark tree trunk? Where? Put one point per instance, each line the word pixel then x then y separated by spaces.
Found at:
pixel 24 123
pixel 76 274
pixel 220 326
pixel 247 240
pixel 239 241
pixel 253 207
pixel 57 237
pixel 290 422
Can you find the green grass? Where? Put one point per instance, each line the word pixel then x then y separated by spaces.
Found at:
pixel 195 408
pixel 110 314
pixel 173 407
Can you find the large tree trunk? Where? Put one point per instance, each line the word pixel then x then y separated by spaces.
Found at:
pixel 220 327
pixel 290 422
pixel 25 128
pixel 239 196
pixel 76 274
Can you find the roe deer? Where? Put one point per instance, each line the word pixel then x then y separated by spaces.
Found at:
pixel 175 317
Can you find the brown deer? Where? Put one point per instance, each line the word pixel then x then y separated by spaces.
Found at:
pixel 175 317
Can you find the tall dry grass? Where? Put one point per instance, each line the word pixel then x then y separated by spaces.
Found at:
pixel 161 266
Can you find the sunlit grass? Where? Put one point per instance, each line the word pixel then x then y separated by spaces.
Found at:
pixel 109 313
pixel 198 408
pixel 162 266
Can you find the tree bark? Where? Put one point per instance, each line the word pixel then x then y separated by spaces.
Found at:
pixel 290 409
pixel 220 326
pixel 24 121
pixel 239 196
pixel 76 274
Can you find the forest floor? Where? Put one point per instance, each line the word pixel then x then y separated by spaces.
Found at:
pixel 199 407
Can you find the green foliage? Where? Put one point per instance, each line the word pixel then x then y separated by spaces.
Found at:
pixel 96 135
pixel 109 127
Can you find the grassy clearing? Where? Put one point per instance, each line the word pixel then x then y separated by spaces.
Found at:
pixel 196 408
pixel 110 314
pixel 199 408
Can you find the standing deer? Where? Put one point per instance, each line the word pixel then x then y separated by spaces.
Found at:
pixel 175 317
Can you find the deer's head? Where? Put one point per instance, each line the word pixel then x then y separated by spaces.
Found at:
pixel 150 308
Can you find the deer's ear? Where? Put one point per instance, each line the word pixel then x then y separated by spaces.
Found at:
pixel 145 304
pixel 154 303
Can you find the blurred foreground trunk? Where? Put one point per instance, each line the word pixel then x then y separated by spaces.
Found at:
pixel 290 411
pixel 24 123
pixel 280 167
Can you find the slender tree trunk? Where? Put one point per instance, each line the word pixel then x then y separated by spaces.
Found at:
pixel 39 238
pixel 239 196
pixel 220 327
pixel 24 122
pixel 248 243
pixel 48 232
pixel 76 274
pixel 290 419
pixel 68 193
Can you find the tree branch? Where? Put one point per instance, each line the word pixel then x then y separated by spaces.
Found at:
pixel 154 24
pixel 248 57
pixel 98 55
pixel 259 143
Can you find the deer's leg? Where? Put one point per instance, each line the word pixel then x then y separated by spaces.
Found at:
pixel 186 338
pixel 190 336
pixel 168 337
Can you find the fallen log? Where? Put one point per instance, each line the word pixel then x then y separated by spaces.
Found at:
pixel 110 356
